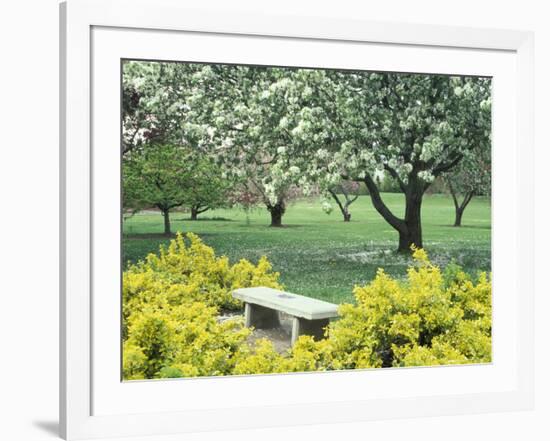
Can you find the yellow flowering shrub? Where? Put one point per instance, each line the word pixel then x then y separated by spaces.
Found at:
pixel 181 341
pixel 430 318
pixel 172 302
pixel 260 359
pixel 192 272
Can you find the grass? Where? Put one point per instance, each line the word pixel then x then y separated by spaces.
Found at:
pixel 319 255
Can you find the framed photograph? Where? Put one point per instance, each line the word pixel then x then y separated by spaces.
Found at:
pixel 274 220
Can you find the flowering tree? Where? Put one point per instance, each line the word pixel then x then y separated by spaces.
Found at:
pixel 229 114
pixel 279 129
pixel 246 197
pixel 470 178
pixel 241 116
pixel 413 127
pixel 152 104
pixel 349 192
pixel 157 115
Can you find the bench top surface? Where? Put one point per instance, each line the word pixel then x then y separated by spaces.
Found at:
pixel 292 304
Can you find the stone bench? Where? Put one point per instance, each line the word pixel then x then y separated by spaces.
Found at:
pixel 262 306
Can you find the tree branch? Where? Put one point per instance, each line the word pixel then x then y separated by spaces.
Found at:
pixel 445 167
pixel 335 196
pixel 395 175
pixel 381 207
pixel 453 193
pixel 467 199
pixel 352 200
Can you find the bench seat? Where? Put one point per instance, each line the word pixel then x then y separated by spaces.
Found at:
pixel 262 305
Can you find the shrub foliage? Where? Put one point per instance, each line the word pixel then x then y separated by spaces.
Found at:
pixel 171 304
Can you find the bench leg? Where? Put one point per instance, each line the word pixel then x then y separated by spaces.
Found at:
pixel 260 317
pixel 315 328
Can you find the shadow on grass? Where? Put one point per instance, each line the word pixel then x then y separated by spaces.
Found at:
pixel 467 227
pixel 268 227
pixel 148 236
pixel 144 236
pixel 205 219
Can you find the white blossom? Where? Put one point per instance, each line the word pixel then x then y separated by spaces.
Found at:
pixel 322 153
pixel 294 170
pixel 284 122
pixel 227 143
pixel 426 176
pixel 326 206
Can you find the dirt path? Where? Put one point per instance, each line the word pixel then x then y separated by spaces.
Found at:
pixel 280 337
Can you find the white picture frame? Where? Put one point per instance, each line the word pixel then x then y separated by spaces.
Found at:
pixel 90 406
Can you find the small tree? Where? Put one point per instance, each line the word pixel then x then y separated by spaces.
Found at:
pixel 349 191
pixel 470 178
pixel 245 196
pixel 158 176
pixel 206 189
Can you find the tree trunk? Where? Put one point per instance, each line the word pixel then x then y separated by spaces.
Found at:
pixel 458 217
pixel 409 228
pixel 412 233
pixel 460 207
pixel 166 215
pixel 344 208
pixel 198 209
pixel 277 212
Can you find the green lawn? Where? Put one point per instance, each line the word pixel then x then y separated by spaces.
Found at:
pixel 319 255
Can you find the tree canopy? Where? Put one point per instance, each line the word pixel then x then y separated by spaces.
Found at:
pixel 284 130
pixel 166 176
pixel 156 177
pixel 471 177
